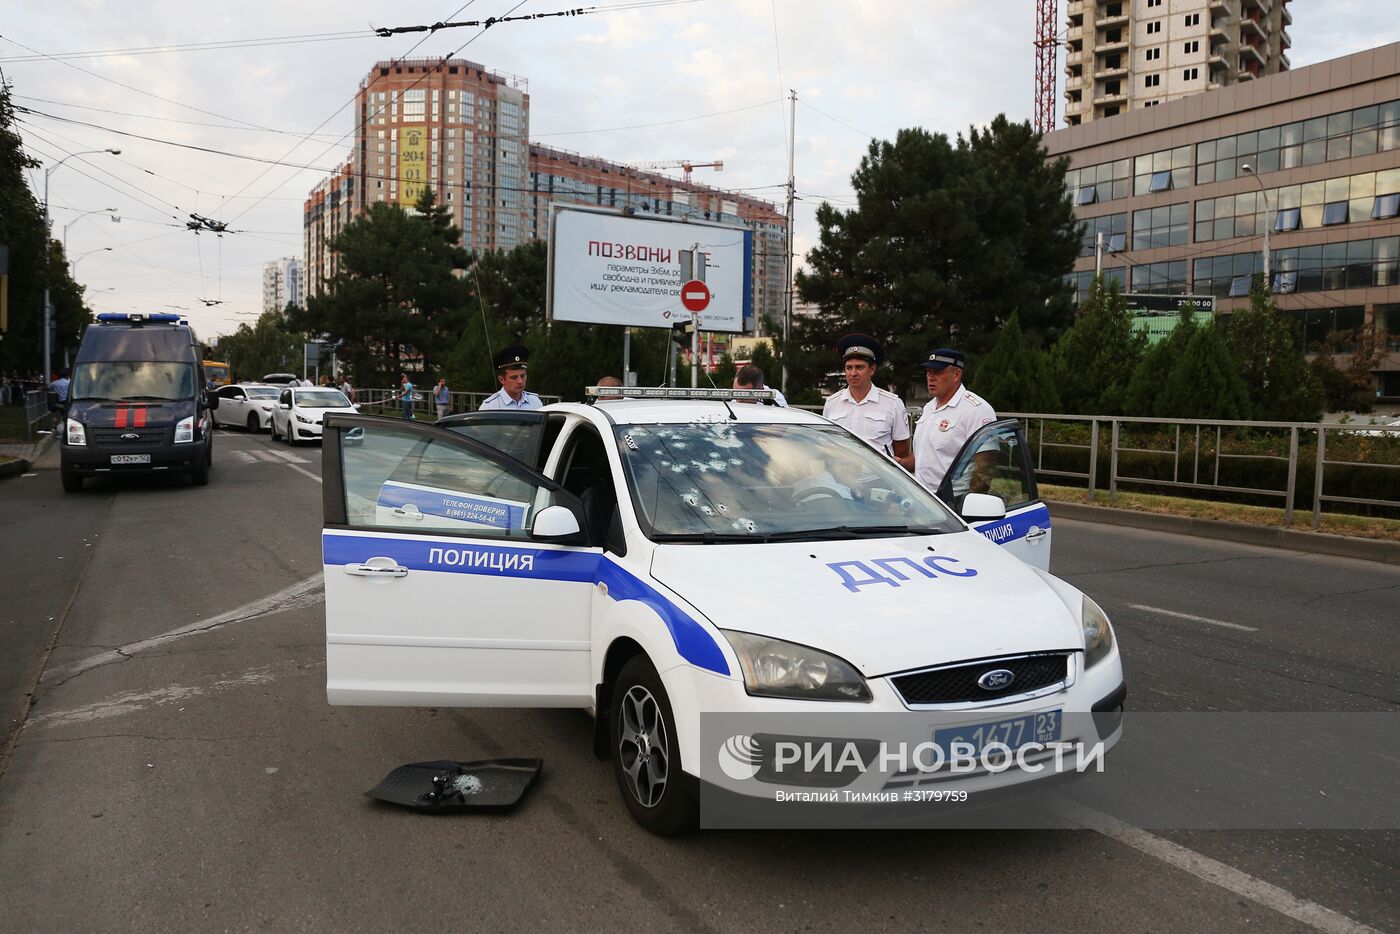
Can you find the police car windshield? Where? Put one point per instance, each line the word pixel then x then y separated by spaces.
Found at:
pixel 321 399
pixel 724 481
pixel 130 381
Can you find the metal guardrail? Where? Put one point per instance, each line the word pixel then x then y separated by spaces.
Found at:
pixel 1197 429
pixel 36 410
pixel 423 400
pixel 1187 458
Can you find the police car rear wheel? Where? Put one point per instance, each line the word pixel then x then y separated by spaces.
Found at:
pixel 646 754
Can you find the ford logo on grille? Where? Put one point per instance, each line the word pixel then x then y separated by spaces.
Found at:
pixel 998 679
pixel 131 436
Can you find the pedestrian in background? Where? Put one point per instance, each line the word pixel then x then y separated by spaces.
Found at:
pixel 60 386
pixel 750 376
pixel 406 395
pixel 442 398
pixel 346 388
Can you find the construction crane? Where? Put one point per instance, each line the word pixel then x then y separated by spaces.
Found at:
pixel 1047 42
pixel 685 165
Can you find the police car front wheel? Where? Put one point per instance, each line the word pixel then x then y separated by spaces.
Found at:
pixel 646 752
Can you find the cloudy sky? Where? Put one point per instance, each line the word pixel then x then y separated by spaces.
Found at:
pixel 699 80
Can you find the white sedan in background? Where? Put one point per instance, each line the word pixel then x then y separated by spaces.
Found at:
pixel 247 405
pixel 298 412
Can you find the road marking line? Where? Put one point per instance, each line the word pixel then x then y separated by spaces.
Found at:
pixel 305 592
pixel 241 457
pixel 1215 872
pixel 135 701
pixel 289 457
pixel 304 472
pixel 1194 619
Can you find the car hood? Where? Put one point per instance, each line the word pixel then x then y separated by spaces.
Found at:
pixel 884 605
pixel 130 414
pixel 319 415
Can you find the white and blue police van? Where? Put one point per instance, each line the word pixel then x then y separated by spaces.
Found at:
pixel 662 554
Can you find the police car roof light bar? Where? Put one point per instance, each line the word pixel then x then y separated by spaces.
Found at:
pixel 679 393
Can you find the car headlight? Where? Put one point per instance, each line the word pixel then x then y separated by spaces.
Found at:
pixel 184 430
pixel 774 668
pixel 75 432
pixel 306 421
pixel 1098 634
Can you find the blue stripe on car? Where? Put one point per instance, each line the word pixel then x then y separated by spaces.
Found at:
pixel 692 640
pixel 1002 531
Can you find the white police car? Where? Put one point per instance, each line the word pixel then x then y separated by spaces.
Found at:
pixel 654 559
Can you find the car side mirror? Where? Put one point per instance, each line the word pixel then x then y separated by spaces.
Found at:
pixel 980 506
pixel 286 405
pixel 55 404
pixel 213 401
pixel 558 525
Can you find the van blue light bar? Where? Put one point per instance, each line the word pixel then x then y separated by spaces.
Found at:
pixel 122 317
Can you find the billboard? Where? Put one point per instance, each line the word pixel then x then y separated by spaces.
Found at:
pixel 413 162
pixel 609 268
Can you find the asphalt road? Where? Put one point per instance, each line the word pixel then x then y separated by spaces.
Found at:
pixel 180 768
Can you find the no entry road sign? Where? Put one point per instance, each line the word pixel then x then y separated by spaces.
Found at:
pixel 695 295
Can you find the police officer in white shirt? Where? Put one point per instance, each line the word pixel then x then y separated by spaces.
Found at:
pixel 510 373
pixel 951 416
pixel 865 409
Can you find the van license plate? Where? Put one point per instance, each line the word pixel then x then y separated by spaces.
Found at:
pixel 131 458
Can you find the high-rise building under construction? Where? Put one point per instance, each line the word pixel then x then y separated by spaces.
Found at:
pixel 1123 55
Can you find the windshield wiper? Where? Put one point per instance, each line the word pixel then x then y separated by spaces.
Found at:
pixel 707 538
pixel 848 531
pixel 148 399
pixel 93 399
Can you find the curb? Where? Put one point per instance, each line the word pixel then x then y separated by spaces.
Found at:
pixel 13 468
pixel 1318 543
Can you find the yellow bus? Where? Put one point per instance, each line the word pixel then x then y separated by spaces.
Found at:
pixel 217 373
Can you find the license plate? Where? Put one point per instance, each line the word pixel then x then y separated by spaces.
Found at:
pixel 1043 727
pixel 131 458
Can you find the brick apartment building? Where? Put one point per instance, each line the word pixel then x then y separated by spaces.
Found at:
pixel 462 130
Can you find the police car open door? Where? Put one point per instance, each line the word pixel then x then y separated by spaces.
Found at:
pixel 441 589
pixel 996 460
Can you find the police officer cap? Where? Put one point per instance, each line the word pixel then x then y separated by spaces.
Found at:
pixel 942 358
pixel 513 357
pixel 863 346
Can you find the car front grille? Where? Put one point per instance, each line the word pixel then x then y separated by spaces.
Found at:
pixel 128 439
pixel 957 684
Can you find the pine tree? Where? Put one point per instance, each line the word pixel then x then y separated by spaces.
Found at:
pixel 1268 352
pixel 1145 386
pixel 947 239
pixel 1096 357
pixel 1016 376
pixel 1203 382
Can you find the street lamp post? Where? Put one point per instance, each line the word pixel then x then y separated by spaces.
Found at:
pixel 67 226
pixel 1248 169
pixel 48 235
pixel 73 266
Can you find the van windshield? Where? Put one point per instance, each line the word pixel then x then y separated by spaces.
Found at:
pixel 131 381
